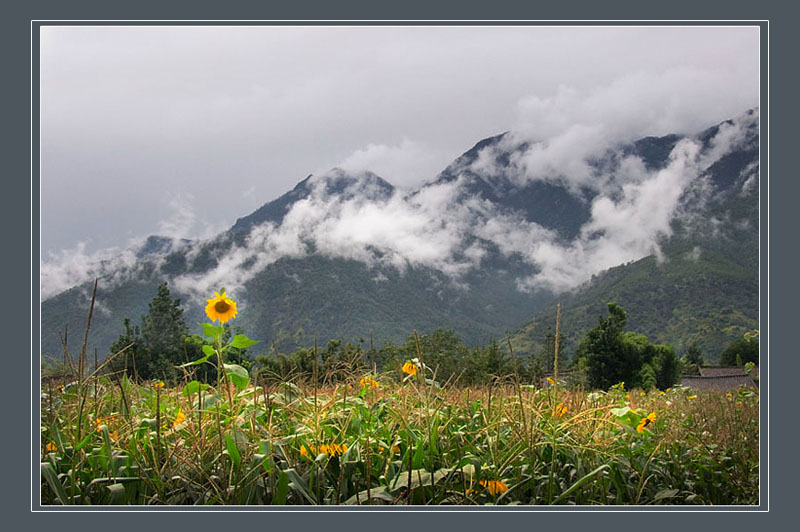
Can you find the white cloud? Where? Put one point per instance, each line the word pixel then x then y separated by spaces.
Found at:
pixel 407 164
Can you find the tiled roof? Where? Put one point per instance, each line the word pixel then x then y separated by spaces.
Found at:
pixel 719 382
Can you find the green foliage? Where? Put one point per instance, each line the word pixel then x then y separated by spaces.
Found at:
pixel 613 356
pixel 740 352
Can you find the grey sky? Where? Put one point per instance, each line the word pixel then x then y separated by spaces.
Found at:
pixel 180 130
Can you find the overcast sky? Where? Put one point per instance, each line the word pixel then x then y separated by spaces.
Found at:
pixel 182 130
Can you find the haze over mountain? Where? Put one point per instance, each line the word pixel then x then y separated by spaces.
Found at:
pixel 480 248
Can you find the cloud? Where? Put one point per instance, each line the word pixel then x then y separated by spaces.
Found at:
pixel 407 164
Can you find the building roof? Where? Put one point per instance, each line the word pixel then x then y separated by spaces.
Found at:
pixel 719 382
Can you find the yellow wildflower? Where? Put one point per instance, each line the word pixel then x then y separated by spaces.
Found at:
pixel 180 417
pixel 220 307
pixel 50 447
pixel 494 486
pixel 642 393
pixel 410 368
pixel 660 394
pixel 739 404
pixel 645 422
pixel 729 395
pixel 627 396
pixel 369 383
pixel 692 397
pixel 550 380
pixel 159 384
pixel 561 409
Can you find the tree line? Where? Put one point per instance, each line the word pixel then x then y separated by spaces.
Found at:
pixel 606 355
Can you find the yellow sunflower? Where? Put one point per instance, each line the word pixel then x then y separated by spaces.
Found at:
pixel 410 368
pixel 369 383
pixel 494 486
pixel 220 307
pixel 645 422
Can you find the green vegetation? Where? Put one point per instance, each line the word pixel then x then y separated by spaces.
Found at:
pixel 615 356
pixel 393 439
pixel 333 430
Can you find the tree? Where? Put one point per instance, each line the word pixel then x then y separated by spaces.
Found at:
pixel 692 359
pixel 613 356
pixel 163 333
pixel 606 357
pixel 158 344
pixel 739 352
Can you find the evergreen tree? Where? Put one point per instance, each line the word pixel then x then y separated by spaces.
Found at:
pixel 163 332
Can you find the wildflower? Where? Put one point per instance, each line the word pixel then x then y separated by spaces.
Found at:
pixel 739 404
pixel 333 449
pixel 410 368
pixel 180 417
pixel 645 422
pixel 220 307
pixel 159 384
pixel 627 396
pixel 550 380
pixel 668 390
pixel 692 397
pixel 50 447
pixel 622 385
pixel 661 394
pixel 369 383
pixel 729 395
pixel 642 393
pixel 494 486
pixel 561 409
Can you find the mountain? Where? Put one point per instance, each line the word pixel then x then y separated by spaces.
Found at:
pixel 347 255
pixel 703 287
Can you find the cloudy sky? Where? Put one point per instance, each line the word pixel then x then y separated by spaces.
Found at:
pixel 179 131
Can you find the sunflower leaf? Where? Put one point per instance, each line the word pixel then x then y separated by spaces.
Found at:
pixel 241 341
pixel 212 331
pixel 238 375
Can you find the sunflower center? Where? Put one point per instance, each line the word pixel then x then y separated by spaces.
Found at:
pixel 222 307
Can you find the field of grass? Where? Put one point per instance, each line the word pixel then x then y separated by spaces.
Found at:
pixel 393 439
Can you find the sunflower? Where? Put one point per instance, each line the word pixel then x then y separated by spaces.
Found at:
pixel 494 486
pixel 645 422
pixel 220 307
pixel 180 417
pixel 369 383
pixel 410 368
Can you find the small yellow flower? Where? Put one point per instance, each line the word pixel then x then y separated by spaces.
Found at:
pixel 739 404
pixel 692 397
pixel 668 390
pixel 645 422
pixel 159 384
pixel 551 381
pixel 220 307
pixel 622 385
pixel 642 393
pixel 729 395
pixel 561 409
pixel 50 447
pixel 410 368
pixel 627 396
pixel 661 393
pixel 369 383
pixel 494 486
pixel 180 417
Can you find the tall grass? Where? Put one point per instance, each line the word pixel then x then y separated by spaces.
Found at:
pixel 406 441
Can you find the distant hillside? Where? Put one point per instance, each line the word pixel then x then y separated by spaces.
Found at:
pixel 704 289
